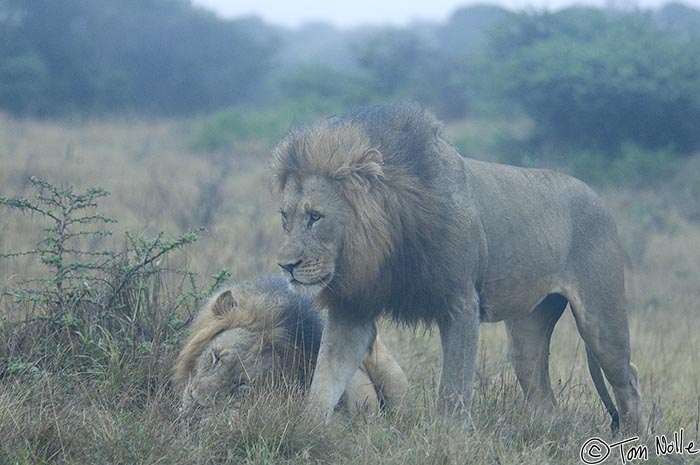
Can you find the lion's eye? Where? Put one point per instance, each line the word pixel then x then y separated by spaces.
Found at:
pixel 314 217
pixel 284 219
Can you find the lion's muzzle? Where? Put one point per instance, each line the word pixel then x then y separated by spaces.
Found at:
pixel 307 272
pixel 289 267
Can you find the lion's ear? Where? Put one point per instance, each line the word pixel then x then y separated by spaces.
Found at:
pixel 369 165
pixel 224 303
pixel 372 156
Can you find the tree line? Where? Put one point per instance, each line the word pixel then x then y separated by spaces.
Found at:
pixel 586 76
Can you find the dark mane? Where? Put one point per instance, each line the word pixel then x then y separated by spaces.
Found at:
pixel 404 133
pixel 402 243
pixel 299 316
pixel 289 325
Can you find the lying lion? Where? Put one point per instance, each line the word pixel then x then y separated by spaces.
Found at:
pixel 260 333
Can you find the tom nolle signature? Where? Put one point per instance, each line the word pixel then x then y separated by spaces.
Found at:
pixel 595 450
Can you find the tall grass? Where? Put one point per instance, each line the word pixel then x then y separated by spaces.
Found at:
pixel 93 385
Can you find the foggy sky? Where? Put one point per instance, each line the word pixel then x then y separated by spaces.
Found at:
pixel 349 13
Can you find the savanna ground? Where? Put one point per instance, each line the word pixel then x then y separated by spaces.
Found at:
pixel 89 383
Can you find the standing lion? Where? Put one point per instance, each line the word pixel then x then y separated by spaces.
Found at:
pixel 260 333
pixel 382 215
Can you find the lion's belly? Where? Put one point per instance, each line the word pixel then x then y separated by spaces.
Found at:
pixel 508 298
pixel 521 273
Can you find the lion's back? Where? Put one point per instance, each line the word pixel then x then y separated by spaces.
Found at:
pixel 552 206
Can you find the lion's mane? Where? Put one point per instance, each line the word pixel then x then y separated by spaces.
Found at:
pixel 382 159
pixel 289 327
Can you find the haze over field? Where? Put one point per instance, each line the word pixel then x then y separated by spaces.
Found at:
pixel 394 12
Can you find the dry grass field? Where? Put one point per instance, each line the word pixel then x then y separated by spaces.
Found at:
pixel 115 403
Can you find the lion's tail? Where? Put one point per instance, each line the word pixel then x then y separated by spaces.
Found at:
pixel 599 382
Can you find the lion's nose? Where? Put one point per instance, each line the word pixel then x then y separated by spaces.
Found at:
pixel 289 267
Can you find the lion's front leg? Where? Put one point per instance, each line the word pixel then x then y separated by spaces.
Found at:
pixel 459 338
pixel 343 346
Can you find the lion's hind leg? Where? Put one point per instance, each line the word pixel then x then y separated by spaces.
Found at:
pixel 601 320
pixel 529 337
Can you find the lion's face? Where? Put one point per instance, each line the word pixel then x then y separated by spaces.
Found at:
pixel 314 215
pixel 229 365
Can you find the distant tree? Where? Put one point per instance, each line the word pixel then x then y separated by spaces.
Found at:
pixel 680 19
pixel 465 32
pixel 392 57
pixel 331 88
pixel 183 61
pixel 404 64
pixel 592 79
pixel 24 84
pixel 159 56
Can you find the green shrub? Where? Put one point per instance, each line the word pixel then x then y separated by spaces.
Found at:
pixel 491 139
pixel 92 308
pixel 24 81
pixel 634 166
pixel 223 130
pixel 684 190
pixel 325 90
pixel 229 128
